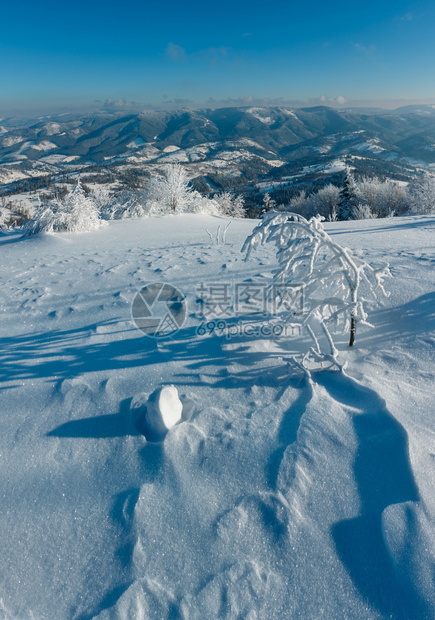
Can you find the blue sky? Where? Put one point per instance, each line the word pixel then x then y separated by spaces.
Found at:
pixel 55 55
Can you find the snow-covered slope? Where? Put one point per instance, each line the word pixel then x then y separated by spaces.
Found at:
pixel 278 495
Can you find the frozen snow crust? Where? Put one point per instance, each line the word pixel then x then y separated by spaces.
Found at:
pixel 264 491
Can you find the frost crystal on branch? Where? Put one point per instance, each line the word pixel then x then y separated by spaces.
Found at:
pixel 337 285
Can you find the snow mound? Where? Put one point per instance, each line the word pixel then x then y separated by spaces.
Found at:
pixel 163 411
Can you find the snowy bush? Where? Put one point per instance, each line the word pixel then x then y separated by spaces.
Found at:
pixel 382 197
pixel 105 201
pixel 4 218
pixel 362 199
pixel 75 213
pixel 362 211
pixel 422 195
pixel 299 203
pixel 336 284
pixel 123 205
pixel 230 204
pixel 325 202
pixel 167 193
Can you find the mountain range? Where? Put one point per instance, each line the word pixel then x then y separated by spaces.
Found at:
pixel 219 147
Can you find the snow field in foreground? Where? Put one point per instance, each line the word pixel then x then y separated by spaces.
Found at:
pixel 264 492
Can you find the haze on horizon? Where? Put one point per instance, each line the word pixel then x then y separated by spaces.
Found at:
pixel 133 55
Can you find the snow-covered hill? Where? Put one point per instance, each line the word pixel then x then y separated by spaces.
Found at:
pixel 279 495
pixel 220 148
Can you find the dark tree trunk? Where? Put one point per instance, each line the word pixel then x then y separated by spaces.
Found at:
pixel 352 330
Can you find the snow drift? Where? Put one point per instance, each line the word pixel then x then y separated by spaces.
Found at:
pixel 279 493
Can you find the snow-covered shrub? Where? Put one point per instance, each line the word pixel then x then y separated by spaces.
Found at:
pixel 298 203
pixel 395 199
pixel 383 197
pixel 230 204
pixel 4 218
pixel 336 284
pixel 362 211
pixel 362 199
pixel 369 192
pixel 324 202
pixel 105 201
pixel 133 208
pixel 202 204
pixel 74 213
pixel 124 205
pixel 422 195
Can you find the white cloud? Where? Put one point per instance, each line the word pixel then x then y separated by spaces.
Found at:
pixel 329 101
pixel 408 17
pixel 119 104
pixel 176 52
pixel 365 50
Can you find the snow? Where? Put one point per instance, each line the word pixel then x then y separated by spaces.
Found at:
pixel 370 145
pixel 136 143
pixel 278 494
pixel 261 115
pixel 52 129
pixel 59 159
pixel 289 113
pixel 12 140
pixel 162 411
pixel 9 176
pixel 45 145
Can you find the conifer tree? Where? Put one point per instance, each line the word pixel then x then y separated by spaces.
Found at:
pixel 347 208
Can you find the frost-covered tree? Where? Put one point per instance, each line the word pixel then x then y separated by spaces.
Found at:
pixel 268 203
pixel 367 197
pixel 325 202
pixel 171 192
pixel 74 213
pixel 231 205
pixel 369 192
pixel 336 284
pixel 4 218
pixel 348 203
pixel 395 199
pixel 383 197
pixel 298 204
pixel 422 195
pixel 104 199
